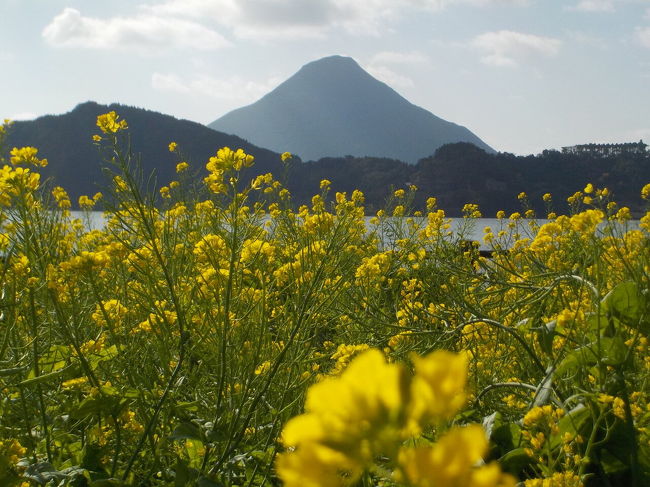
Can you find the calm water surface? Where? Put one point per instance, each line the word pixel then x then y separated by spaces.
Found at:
pixel 460 228
pixel 472 229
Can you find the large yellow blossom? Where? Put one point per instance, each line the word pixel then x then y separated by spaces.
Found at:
pixel 368 411
pixel 450 462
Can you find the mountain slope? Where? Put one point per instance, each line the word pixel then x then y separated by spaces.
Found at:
pixel 76 164
pixel 332 107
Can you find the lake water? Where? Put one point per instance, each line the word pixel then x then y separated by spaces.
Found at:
pixel 460 228
pixel 467 229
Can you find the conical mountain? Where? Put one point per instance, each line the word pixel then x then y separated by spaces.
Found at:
pixel 332 107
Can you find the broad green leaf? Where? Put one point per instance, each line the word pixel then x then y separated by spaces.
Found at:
pixel 96 404
pixel 187 431
pixel 610 463
pixel 626 303
pixel 205 482
pixel 599 323
pixel 613 350
pixel 507 436
pixel 184 475
pixel 575 422
pixel 515 461
pixel 576 359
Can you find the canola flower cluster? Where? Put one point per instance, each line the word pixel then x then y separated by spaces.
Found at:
pixel 370 410
pixel 197 339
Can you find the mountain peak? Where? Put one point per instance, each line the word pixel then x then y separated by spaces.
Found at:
pixel 332 107
pixel 332 62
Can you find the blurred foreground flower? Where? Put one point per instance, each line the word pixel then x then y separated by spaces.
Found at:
pixel 370 410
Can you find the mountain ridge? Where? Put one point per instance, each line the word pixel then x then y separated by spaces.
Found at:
pixel 76 163
pixel 455 174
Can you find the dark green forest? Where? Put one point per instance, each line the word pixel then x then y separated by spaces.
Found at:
pixel 456 174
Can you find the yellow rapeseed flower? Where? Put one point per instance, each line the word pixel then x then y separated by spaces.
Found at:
pixel 452 462
pixel 227 159
pixel 26 155
pixel 109 124
pixel 645 192
pixel 437 390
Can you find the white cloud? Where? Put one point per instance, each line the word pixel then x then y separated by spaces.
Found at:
pixel 233 89
pixel 23 116
pixel 183 23
pixel 643 36
pixel 169 83
pixel 258 19
pixel 593 6
pixel 263 19
pixel 390 77
pixel 588 39
pixel 508 48
pixel 399 61
pixel 393 57
pixel 143 32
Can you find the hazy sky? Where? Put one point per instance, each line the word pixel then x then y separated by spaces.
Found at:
pixel 523 75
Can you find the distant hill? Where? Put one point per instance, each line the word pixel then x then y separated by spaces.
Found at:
pixel 455 174
pixel 75 162
pixel 333 108
pixel 462 173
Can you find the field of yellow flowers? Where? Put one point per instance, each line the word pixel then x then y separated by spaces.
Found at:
pixel 211 335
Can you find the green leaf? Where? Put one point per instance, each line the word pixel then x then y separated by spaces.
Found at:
pixel 13 371
pixel 103 355
pixel 96 404
pixel 47 377
pixel 506 436
pixel 206 482
pixel 576 359
pixel 184 475
pixel 92 458
pixel 183 406
pixel 575 422
pixel 515 461
pixel 625 302
pixel 187 431
pixel 107 483
pixel 599 323
pixel 545 337
pixel 613 350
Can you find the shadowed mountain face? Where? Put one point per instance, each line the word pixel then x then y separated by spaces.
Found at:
pixel 332 107
pixel 76 163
